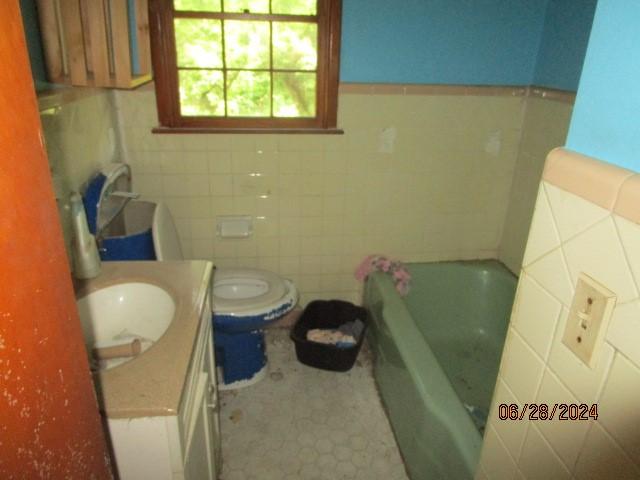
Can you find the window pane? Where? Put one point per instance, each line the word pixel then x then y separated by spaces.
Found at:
pixel 295 45
pixel 248 94
pixel 201 92
pixel 294 94
pixel 252 6
pixel 198 43
pixel 197 5
pixel 294 7
pixel 246 44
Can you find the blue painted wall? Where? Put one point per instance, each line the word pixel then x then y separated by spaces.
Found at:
pixel 606 117
pixel 476 42
pixel 564 43
pixel 482 42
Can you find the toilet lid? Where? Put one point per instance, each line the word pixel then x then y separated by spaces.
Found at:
pixel 166 242
pixel 237 290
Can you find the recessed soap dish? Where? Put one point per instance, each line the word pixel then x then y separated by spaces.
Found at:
pixel 234 226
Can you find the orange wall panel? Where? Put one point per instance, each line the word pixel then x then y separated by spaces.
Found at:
pixel 50 426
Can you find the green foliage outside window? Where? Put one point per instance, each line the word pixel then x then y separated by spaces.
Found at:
pixel 247 68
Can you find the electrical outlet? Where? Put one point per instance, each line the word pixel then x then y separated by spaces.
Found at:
pixel 589 318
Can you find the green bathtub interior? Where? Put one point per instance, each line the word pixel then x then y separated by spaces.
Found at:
pixel 437 356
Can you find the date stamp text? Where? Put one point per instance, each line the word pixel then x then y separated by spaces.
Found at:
pixel 544 411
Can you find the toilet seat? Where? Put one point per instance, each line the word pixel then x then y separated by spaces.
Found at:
pixel 236 291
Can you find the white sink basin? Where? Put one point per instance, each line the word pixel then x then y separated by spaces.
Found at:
pixel 122 313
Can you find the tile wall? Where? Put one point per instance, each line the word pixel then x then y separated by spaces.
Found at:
pixel 80 138
pixel 545 126
pixel 575 229
pixel 417 176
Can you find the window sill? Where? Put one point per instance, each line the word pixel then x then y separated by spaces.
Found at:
pixel 304 131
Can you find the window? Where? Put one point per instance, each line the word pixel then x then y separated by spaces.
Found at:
pixel 246 64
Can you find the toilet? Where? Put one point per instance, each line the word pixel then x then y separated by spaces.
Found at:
pixel 244 301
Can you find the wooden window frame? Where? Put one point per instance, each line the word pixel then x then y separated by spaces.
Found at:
pixel 164 58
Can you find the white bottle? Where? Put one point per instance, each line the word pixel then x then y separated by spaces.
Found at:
pixel 86 261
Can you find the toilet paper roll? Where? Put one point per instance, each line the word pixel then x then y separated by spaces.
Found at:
pixel 130 349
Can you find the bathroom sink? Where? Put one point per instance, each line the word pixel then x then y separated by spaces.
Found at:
pixel 123 313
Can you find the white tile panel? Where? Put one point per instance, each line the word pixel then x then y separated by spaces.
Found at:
pixel 552 272
pixel 511 433
pixel 618 407
pixel 538 461
pixel 572 213
pixel 536 315
pixel 602 458
pixel 521 367
pixel 543 235
pixel 598 253
pixel 624 330
pixel 630 236
pixel 565 437
pixel 494 459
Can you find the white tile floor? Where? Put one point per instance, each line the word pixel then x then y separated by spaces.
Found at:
pixel 301 423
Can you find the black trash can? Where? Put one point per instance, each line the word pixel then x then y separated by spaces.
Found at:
pixel 327 314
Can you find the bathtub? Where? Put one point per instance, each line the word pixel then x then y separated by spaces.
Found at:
pixel 437 353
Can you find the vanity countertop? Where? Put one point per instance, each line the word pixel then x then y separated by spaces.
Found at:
pixel 151 385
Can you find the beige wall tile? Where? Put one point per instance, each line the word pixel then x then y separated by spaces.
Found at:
pixel 494 459
pixel 535 316
pixel 565 437
pixel 544 127
pixel 618 407
pixel 511 433
pixel 598 253
pixel 521 367
pixel 551 271
pixel 538 461
pixel 543 236
pixel 81 137
pixel 624 330
pixel 630 237
pixel 604 246
pixel 573 214
pixel 602 459
pixel 441 193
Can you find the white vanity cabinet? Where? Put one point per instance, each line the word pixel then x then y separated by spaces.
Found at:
pixel 183 446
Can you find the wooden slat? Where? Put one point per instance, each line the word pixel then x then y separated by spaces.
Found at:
pixel 120 36
pixel 51 40
pixel 73 41
pixel 99 52
pixel 84 15
pixel 144 46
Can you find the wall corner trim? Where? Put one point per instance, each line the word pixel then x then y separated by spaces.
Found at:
pixel 594 180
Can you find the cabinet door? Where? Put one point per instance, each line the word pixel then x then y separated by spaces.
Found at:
pixel 200 462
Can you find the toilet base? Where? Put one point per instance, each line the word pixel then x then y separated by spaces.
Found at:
pixel 243 383
pixel 240 357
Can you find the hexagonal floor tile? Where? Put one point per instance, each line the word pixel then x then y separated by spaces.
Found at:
pixel 307 424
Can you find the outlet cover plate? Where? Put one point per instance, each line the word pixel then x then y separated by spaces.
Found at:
pixel 588 319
